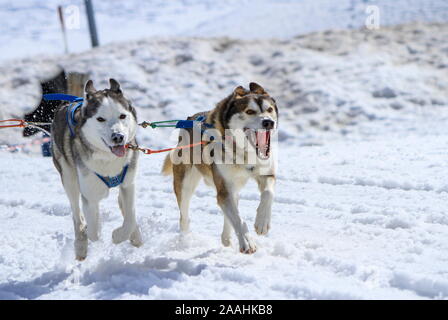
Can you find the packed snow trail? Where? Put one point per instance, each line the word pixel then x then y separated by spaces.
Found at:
pixel 355 218
pixel 325 83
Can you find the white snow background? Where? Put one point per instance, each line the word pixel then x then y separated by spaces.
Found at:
pixel 361 197
pixel 32 27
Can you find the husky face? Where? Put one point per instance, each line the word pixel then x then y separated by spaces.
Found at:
pixel 109 121
pixel 255 114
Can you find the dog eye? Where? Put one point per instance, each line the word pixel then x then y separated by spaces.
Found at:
pixel 250 112
pixel 100 119
pixel 123 116
pixel 270 109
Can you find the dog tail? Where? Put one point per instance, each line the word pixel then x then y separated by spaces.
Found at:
pixel 167 168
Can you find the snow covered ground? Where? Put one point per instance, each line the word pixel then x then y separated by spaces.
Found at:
pixel 360 207
pixel 352 220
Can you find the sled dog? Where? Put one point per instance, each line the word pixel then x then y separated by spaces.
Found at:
pixel 252 114
pixel 89 151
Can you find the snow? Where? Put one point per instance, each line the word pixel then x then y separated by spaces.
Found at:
pixel 331 239
pixel 360 203
pixel 35 27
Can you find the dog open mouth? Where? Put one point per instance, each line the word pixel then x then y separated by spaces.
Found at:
pixel 261 141
pixel 119 151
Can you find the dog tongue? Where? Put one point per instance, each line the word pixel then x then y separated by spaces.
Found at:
pixel 263 141
pixel 119 151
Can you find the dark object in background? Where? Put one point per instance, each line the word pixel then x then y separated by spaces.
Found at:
pixel 45 110
pixel 46 147
pixel 92 24
pixel 72 83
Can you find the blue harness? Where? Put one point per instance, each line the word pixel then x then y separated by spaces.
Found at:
pixel 70 117
pixel 188 124
pixel 76 103
pixel 112 182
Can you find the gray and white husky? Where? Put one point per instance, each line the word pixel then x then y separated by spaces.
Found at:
pixel 89 151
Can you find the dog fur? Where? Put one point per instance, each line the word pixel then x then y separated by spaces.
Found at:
pixel 243 109
pixel 89 151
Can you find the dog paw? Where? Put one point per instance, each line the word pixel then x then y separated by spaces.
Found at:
pixel 262 223
pixel 81 249
pixel 248 246
pixel 136 238
pixel 80 258
pixel 118 236
pixel 92 234
pixel 262 227
pixel 226 242
pixel 184 225
pixel 136 242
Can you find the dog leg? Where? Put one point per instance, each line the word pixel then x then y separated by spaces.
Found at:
pixel 186 180
pixel 79 224
pixel 72 191
pixel 91 209
pixel 226 237
pixel 230 210
pixel 123 233
pixel 80 227
pixel 136 237
pixel 263 220
pixel 228 202
pixel 226 233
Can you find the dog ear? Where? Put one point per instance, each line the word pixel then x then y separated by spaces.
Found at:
pixel 114 86
pixel 89 89
pixel 256 88
pixel 240 92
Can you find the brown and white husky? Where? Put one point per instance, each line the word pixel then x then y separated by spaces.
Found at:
pixel 252 114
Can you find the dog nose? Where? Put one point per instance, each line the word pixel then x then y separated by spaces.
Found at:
pixel 117 138
pixel 268 124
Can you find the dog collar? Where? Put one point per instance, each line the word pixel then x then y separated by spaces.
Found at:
pixel 112 182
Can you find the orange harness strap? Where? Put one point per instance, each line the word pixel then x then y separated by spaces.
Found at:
pixel 150 151
pixel 19 124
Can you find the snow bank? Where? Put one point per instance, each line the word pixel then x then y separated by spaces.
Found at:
pixel 324 82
